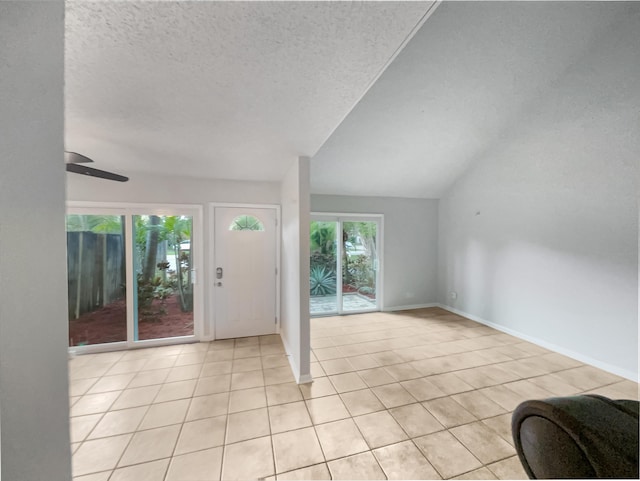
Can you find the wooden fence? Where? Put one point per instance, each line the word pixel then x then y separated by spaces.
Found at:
pixel 96 271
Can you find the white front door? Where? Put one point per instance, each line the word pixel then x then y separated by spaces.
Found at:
pixel 245 271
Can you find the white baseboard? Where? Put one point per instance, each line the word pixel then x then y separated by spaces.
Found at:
pixel 300 378
pixel 409 307
pixel 618 371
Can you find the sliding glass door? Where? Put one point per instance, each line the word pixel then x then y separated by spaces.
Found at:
pixel 96 268
pixel 359 265
pixel 163 292
pixel 323 274
pixel 131 275
pixel 345 265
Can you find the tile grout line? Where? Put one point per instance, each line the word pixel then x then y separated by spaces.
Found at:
pixel 394 347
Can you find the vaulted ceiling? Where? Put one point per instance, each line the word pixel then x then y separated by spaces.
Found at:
pixel 470 74
pixel 388 98
pixel 226 90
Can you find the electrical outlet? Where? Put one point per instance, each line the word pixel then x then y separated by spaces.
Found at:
pixel 453 295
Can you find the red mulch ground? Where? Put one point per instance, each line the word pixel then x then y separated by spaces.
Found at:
pixel 109 324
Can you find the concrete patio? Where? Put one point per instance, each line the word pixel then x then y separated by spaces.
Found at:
pixel 320 305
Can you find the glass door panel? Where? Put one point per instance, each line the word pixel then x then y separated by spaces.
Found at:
pixel 323 275
pixel 359 265
pixel 344 264
pixel 163 289
pixel 96 273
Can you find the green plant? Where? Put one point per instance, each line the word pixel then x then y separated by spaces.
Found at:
pixel 328 261
pixel 367 290
pixel 323 281
pixel 151 234
pixel 150 290
pixel 323 237
pixel 98 224
pixel 145 292
pixel 360 272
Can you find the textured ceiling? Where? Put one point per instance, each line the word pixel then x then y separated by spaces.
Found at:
pixel 229 90
pixel 473 71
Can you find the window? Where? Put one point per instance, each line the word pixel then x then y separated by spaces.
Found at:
pixel 96 267
pixel 246 222
pixel 130 273
pixel 344 272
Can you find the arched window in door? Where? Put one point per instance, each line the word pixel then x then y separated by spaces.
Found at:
pixel 246 222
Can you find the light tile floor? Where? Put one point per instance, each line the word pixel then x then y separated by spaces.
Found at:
pixel 421 394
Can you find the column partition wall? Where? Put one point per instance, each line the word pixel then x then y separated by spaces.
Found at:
pixel 132 275
pixel 345 263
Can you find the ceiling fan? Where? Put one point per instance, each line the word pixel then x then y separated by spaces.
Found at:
pixel 74 160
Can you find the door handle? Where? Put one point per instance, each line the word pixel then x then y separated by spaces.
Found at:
pixel 219 273
pixel 219 284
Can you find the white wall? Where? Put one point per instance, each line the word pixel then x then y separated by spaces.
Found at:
pixel 294 324
pixel 34 402
pixel 144 187
pixel 540 237
pixel 410 244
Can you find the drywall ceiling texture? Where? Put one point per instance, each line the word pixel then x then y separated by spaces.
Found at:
pixel 451 94
pixel 227 90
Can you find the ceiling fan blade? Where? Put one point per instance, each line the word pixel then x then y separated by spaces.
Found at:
pixel 75 158
pixel 90 171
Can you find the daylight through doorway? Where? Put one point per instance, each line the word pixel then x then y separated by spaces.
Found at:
pixel 130 277
pixel 344 264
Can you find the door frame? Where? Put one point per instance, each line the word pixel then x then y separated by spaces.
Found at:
pixel 212 259
pixel 129 209
pixel 339 218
